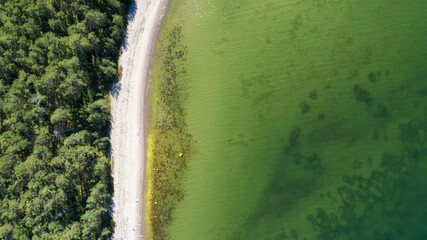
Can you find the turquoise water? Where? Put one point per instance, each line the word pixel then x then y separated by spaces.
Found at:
pixel 308 118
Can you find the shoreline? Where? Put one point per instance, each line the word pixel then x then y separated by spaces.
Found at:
pixel 129 117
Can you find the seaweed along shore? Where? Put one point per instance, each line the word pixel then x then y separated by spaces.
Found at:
pixel 169 142
pixel 127 109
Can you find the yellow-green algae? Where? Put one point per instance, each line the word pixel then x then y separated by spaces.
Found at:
pixel 169 143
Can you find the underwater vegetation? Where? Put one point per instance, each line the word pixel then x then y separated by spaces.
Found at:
pixel 372 77
pixel 313 95
pixel 311 162
pixel 388 203
pixel 305 107
pixel 362 95
pixel 380 198
pixel 169 143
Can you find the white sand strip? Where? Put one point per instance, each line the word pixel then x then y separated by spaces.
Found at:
pixel 127 110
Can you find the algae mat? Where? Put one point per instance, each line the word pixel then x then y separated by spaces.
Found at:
pixel 308 119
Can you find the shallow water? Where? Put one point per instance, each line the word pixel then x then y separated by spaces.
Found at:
pixel 309 119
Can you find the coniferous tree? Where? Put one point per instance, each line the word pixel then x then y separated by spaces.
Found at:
pixel 57 61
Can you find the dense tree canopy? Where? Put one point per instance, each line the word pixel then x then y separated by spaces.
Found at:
pixel 57 61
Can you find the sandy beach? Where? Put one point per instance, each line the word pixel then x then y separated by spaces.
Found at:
pixel 128 99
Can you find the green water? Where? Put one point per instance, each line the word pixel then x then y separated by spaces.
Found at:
pixel 308 117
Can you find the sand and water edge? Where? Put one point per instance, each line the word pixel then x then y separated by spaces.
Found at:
pixel 129 117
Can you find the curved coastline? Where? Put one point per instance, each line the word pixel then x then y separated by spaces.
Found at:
pixel 129 118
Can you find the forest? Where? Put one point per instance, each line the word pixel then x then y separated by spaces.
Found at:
pixel 58 60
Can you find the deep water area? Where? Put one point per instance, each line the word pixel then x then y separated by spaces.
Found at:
pixel 308 119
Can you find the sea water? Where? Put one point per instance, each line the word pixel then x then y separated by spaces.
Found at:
pixel 308 117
